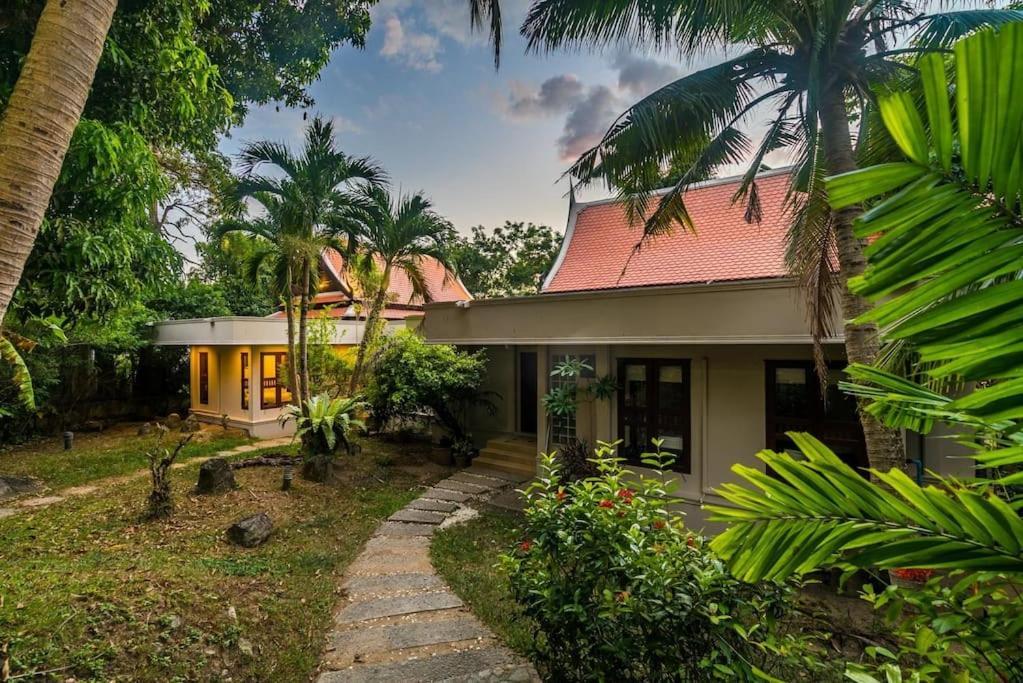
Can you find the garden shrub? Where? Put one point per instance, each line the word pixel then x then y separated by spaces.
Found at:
pixel 411 378
pixel 620 590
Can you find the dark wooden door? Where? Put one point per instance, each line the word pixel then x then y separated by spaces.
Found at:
pixel 653 403
pixel 527 392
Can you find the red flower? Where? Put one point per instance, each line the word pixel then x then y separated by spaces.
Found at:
pixel 621 596
pixel 691 541
pixel 606 504
pixel 560 496
pixel 659 524
pixel 626 495
pixel 525 546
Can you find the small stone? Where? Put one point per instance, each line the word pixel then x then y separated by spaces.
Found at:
pixel 250 531
pixel 145 429
pixel 190 425
pixel 173 421
pixel 232 613
pixel 245 647
pixel 215 476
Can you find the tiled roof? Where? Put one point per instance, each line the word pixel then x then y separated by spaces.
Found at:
pixel 401 288
pixel 600 250
pixel 348 312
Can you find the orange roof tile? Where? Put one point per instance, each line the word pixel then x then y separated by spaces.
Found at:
pixel 599 249
pixel 401 287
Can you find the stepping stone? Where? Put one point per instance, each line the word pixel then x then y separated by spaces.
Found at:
pixel 391 544
pixel 391 563
pixel 394 606
pixel 434 505
pixel 361 640
pixel 454 485
pixel 420 516
pixel 439 668
pixel 446 494
pixel 391 583
pixel 405 529
pixel 485 482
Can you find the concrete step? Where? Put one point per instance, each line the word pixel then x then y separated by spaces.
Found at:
pixel 508 455
pixel 525 470
pixel 513 445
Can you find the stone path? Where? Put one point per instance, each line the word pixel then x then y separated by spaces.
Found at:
pixel 398 620
pixel 36 502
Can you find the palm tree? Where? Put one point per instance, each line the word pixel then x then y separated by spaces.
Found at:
pixel 312 190
pixel 815 63
pixel 279 246
pixel 42 113
pixel 397 233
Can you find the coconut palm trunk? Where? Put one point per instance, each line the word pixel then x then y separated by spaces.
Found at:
pixel 884 446
pixel 40 118
pixel 369 333
pixel 289 310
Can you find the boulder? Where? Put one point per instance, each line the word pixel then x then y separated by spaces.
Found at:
pixel 91 426
pixel 250 531
pixel 173 421
pixel 190 425
pixel 11 486
pixel 215 476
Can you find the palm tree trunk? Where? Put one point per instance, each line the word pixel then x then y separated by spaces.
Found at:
pixel 289 310
pixel 884 446
pixel 370 330
pixel 303 336
pixel 41 116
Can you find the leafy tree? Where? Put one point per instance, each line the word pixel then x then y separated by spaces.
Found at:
pixel 397 234
pixel 510 261
pixel 307 203
pixel 411 377
pixel 224 262
pixel 805 60
pixel 944 273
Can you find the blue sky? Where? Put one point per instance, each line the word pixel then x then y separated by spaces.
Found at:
pixel 424 100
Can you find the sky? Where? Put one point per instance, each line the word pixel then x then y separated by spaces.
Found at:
pixel 486 146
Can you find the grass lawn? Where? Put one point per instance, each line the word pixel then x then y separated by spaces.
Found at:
pixel 112 452
pixel 465 556
pixel 93 593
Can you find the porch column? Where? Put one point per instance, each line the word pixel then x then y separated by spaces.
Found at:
pixel 542 385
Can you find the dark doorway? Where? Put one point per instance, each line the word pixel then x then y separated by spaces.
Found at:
pixel 795 404
pixel 527 392
pixel 653 403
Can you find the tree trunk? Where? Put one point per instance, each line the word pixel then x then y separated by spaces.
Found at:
pixel 369 332
pixel 289 310
pixel 303 334
pixel 862 344
pixel 40 118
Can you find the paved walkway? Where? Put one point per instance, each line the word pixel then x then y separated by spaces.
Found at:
pixel 26 503
pixel 398 620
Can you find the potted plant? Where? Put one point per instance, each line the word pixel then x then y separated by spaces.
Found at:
pixel 324 431
pixel 463 451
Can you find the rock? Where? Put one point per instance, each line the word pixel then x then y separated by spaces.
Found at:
pixel 11 486
pixel 215 476
pixel 145 429
pixel 232 613
pixel 190 425
pixel 246 647
pixel 250 531
pixel 173 421
pixel 91 426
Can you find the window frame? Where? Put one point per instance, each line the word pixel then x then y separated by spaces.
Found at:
pixel 263 405
pixel 246 380
pixel 683 461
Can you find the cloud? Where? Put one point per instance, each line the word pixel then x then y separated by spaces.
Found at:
pixel 640 76
pixel 409 47
pixel 588 121
pixel 556 95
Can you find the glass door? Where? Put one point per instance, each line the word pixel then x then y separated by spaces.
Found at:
pixel 654 403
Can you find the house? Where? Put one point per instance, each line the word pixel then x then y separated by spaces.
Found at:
pixel 704 334
pixel 230 356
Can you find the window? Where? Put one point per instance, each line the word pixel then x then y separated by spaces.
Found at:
pixel 245 380
pixel 795 404
pixel 654 403
pixel 204 378
pixel 274 392
pixel 563 428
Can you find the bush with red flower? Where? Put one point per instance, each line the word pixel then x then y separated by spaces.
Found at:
pixel 620 590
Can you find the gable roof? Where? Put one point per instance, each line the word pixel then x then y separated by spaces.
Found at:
pixel 598 249
pixel 400 289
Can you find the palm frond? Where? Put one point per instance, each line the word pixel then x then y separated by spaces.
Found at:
pixel 487 14
pixel 944 29
pixel 20 375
